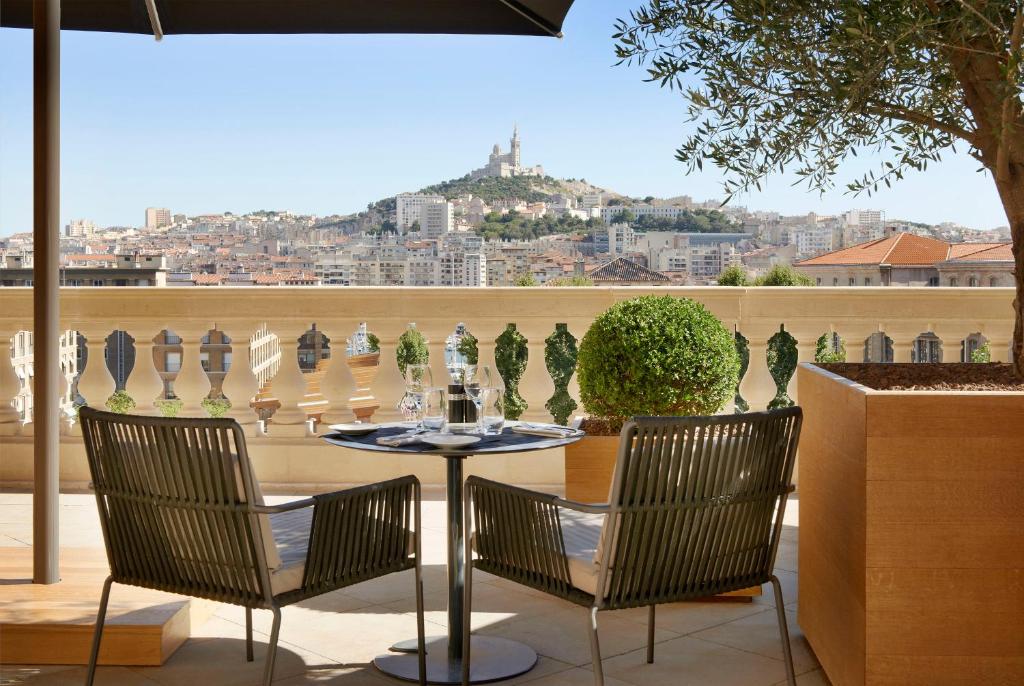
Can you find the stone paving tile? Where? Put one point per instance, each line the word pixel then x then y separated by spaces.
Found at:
pixel 688 661
pixel 759 634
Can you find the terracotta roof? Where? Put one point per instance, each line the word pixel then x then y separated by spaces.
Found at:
pixel 903 249
pixel 207 279
pixel 995 252
pixel 621 269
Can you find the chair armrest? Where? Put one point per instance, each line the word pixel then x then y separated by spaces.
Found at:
pixel 518 535
pixel 362 533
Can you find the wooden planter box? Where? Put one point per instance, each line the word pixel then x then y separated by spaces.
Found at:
pixel 589 467
pixel 911 533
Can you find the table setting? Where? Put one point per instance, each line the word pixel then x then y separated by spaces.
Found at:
pixel 463 419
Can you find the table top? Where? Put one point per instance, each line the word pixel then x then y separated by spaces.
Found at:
pixel 506 442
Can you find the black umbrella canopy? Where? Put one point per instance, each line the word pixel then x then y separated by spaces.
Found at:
pixel 503 17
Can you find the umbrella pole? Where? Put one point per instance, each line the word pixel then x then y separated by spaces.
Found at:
pixel 45 289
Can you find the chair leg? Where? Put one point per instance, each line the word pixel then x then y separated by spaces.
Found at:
pixel 268 670
pixel 650 635
pixel 421 641
pixel 248 635
pixel 595 648
pixel 101 617
pixel 787 651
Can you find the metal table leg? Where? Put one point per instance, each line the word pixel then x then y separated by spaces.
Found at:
pixel 493 659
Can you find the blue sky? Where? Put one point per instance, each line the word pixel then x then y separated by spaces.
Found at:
pixel 326 124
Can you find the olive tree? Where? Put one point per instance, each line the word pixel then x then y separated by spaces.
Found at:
pixel 803 86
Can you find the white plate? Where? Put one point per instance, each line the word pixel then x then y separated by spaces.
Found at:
pixel 354 428
pixel 449 440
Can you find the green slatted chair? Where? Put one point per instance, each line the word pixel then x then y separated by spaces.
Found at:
pixel 695 510
pixel 182 512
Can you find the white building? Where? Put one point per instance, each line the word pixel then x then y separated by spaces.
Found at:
pixel 80 228
pixel 863 225
pixel 608 212
pixel 157 217
pixel 408 208
pixel 436 219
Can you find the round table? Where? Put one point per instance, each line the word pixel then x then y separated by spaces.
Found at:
pixel 493 658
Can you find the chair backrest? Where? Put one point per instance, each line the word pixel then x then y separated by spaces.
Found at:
pixel 696 505
pixel 175 500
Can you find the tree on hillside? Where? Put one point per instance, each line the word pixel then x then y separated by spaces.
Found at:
pixel 623 217
pixel 733 276
pixel 805 85
pixel 783 275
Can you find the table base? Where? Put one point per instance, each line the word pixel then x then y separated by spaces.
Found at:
pixel 492 659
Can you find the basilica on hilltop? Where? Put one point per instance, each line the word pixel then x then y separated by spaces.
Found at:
pixel 504 164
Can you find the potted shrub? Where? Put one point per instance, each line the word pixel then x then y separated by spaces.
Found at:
pixel 653 355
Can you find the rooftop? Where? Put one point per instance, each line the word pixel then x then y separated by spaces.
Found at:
pixel 908 250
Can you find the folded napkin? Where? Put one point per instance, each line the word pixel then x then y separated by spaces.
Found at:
pixel 543 430
pixel 399 440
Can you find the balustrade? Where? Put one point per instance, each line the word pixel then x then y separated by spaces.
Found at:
pixel 758 315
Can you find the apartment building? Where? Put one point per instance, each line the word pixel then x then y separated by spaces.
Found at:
pixel 157 217
pixel 408 207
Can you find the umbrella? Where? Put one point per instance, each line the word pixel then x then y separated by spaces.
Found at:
pixel 158 17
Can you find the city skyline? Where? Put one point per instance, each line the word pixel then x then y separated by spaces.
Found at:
pixel 325 125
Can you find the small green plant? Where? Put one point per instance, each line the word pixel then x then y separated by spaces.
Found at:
pixel 982 354
pixel 825 352
pixel 783 275
pixel 169 408
pixel 120 402
pixel 526 280
pixel 510 356
pixel 656 355
pixel 373 341
pixel 733 276
pixel 411 349
pixel 469 348
pixel 216 407
pixel 574 281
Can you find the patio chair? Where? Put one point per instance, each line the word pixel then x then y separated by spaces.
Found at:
pixel 695 509
pixel 182 512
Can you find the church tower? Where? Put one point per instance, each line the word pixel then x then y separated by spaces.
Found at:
pixel 515 147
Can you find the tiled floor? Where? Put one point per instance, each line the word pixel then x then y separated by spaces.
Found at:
pixel 332 639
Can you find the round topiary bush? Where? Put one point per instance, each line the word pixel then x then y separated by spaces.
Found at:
pixel 659 356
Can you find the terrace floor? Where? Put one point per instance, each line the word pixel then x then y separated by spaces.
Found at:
pixel 332 639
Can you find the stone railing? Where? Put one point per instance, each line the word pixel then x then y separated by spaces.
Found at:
pixel 268 329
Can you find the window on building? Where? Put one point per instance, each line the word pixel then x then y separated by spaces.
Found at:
pixel 227 361
pixel 993 282
pixel 953 283
pixel 853 281
pixel 973 282
pixel 204 359
pixel 933 281
pixel 97 282
pixel 867 280
pixel 819 280
pixel 172 361
pixel 835 280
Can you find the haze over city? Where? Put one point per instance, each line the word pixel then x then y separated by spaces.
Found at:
pixel 325 125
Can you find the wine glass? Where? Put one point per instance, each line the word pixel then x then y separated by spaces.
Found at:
pixel 435 410
pixel 492 410
pixel 476 378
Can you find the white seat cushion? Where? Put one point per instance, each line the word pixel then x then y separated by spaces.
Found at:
pixel 291 535
pixel 581 533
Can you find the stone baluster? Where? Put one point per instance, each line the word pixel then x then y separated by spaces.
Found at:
pixel 951 338
pixel 902 346
pixel 289 385
pixel 96 384
pixel 536 385
pixel 757 387
pixel 806 343
pixel 389 386
pixel 145 384
pixel 240 384
pixel 10 385
pixel 191 385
